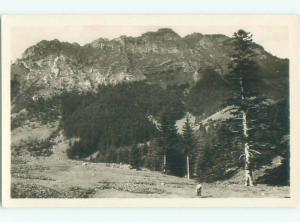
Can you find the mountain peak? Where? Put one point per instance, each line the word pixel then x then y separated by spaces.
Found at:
pixel 166 30
pixel 46 47
pixel 166 33
pixel 98 42
pixel 195 35
pixel 161 57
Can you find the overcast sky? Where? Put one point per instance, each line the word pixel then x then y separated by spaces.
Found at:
pixel 274 39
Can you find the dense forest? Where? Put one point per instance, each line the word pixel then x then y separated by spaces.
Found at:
pixel 134 123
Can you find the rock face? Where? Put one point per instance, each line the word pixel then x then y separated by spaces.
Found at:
pixel 161 57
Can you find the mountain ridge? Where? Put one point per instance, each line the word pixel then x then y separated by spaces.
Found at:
pixel 161 57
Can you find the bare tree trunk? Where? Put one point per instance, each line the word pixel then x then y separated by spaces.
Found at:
pixel 187 167
pixel 248 170
pixel 164 163
pixel 247 166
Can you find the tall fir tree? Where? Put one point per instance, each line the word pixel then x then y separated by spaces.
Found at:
pixel 154 158
pixel 170 145
pixel 243 79
pixel 190 146
pixel 135 157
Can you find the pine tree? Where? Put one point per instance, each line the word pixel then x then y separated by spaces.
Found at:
pixel 190 146
pixel 168 141
pixel 134 157
pixel 153 158
pixel 243 78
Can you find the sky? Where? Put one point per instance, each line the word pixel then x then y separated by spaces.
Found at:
pixel 273 38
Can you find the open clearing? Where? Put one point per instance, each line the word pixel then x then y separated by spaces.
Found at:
pixel 57 176
pixel 72 179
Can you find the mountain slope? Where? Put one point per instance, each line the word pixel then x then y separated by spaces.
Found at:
pixel 161 57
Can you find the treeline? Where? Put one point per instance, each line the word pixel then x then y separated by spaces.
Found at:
pixel 131 123
pixel 115 123
pixel 134 123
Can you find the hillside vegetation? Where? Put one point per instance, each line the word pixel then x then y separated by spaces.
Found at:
pixel 120 101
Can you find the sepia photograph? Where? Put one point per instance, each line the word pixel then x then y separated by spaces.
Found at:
pixel 148 110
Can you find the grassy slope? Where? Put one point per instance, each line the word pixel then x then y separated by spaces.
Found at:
pixel 56 176
pixel 119 181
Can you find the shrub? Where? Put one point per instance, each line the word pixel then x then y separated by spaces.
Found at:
pixel 34 147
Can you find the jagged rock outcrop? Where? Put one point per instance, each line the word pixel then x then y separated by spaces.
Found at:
pixel 161 57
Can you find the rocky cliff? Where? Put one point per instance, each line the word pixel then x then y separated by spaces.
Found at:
pixel 163 57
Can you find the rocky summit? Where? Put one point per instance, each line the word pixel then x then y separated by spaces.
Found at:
pixel 162 57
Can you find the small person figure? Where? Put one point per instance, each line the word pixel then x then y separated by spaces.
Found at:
pixel 199 189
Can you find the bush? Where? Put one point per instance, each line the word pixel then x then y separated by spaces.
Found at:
pixel 21 190
pixel 79 192
pixel 34 147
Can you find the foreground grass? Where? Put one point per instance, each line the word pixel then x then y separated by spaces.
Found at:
pixel 53 178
